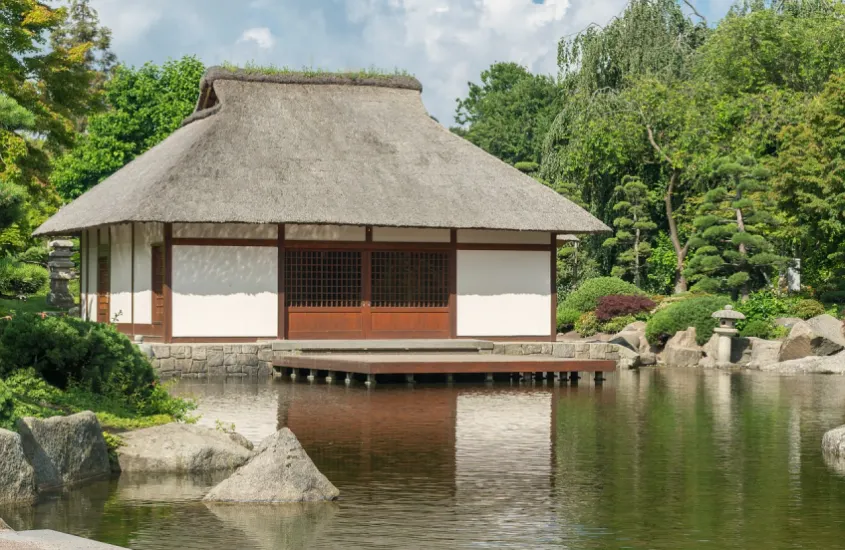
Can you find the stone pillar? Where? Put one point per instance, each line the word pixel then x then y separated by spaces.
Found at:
pixel 60 266
pixel 725 341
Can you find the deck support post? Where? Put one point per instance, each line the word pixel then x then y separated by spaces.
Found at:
pixel 598 378
pixel 488 378
pixel 293 374
pixel 330 377
pixel 312 375
pixel 348 379
pixel 573 377
pixel 450 378
pixel 371 380
pixel 409 378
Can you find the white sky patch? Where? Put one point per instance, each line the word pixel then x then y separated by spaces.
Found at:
pixel 261 36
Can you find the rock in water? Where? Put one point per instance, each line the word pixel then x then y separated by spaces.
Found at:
pixel 178 448
pixel 682 350
pixel 820 336
pixel 17 479
pixel 281 471
pixel 65 450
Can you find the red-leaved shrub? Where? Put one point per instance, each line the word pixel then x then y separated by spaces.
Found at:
pixel 619 305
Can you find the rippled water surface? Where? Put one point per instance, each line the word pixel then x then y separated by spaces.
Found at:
pixel 664 459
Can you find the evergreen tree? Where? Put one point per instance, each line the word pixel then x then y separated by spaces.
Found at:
pixel 730 248
pixel 632 228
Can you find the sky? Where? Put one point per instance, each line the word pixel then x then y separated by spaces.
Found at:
pixel 444 43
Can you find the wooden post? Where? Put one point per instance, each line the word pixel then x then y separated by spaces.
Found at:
pixel 282 307
pixel 132 281
pixel 453 284
pixel 553 251
pixel 168 282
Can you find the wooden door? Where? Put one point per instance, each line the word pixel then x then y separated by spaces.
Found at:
pixel 103 290
pixel 158 285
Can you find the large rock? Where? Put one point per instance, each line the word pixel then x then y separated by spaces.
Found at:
pixel 834 364
pixel 17 479
pixel 65 450
pixel 741 351
pixel 633 338
pixel 820 336
pixel 281 471
pixel 178 448
pixel 833 449
pixel 763 352
pixel 682 350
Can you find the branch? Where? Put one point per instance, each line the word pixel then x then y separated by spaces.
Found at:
pixel 695 11
pixel 654 144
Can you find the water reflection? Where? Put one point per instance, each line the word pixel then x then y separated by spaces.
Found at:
pixel 655 459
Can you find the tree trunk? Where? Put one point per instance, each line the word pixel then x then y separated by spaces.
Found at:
pixel 636 255
pixel 740 224
pixel 680 251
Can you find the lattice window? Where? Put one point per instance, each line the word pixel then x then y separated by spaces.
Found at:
pixel 323 278
pixel 410 279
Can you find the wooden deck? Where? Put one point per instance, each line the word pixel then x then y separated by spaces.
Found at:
pixel 410 364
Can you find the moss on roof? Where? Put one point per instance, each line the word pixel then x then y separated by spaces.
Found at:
pixel 371 72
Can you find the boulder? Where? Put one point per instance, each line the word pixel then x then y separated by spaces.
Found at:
pixel 763 352
pixel 833 449
pixel 65 450
pixel 820 336
pixel 17 479
pixel 633 338
pixel 681 350
pixel 180 448
pixel 4 526
pixel 834 364
pixel 241 440
pixel 280 471
pixel 741 351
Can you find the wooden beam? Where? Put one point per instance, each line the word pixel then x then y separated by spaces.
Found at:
pixel 168 282
pixel 553 252
pixel 83 268
pixel 224 242
pixel 282 301
pixel 453 284
pixel 132 281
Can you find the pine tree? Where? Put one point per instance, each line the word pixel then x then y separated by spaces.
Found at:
pixel 632 228
pixel 730 249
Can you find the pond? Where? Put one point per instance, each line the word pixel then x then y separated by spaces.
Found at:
pixel 658 459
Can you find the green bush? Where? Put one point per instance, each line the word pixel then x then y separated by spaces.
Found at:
pixel 586 297
pixel 17 278
pixel 693 312
pixel 587 324
pixel 834 296
pixel 34 255
pixel 566 319
pixel 758 328
pixel 764 305
pixel 806 309
pixel 7 407
pixel 66 351
pixel 617 324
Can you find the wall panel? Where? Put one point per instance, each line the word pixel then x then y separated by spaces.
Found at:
pixel 224 231
pixel 411 235
pixel 483 236
pixel 325 233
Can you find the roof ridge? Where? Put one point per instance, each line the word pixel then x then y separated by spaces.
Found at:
pixel 405 82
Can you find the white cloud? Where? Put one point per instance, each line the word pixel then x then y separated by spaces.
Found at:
pixel 261 36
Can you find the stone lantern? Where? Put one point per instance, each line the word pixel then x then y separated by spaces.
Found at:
pixel 726 330
pixel 61 272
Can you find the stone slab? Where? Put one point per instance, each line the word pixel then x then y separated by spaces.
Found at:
pixel 49 540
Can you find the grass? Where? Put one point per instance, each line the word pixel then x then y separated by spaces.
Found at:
pixel 372 72
pixel 36 303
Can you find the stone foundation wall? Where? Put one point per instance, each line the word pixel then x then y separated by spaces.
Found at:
pixel 209 360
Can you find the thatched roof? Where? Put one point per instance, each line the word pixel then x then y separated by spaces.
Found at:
pixel 294 148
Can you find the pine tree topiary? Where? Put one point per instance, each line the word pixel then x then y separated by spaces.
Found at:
pixel 632 227
pixel 730 249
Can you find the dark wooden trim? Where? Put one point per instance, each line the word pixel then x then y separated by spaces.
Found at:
pixel 553 251
pixel 168 282
pixel 367 291
pixel 453 284
pixel 511 247
pixel 410 309
pixel 132 282
pixel 225 242
pixel 83 268
pixel 300 309
pixel 280 295
pixel 368 233
pixel 401 246
pixel 141 329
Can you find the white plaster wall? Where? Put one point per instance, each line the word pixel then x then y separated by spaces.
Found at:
pixel 225 231
pixel 91 275
pixel 225 291
pixel 146 234
pixel 483 236
pixel 120 273
pixel 325 233
pixel 411 235
pixel 504 293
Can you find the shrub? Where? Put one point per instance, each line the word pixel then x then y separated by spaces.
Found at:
pixel 617 324
pixel 805 309
pixel 758 328
pixel 586 297
pixel 17 278
pixel 693 312
pixel 587 324
pixel 7 407
pixel 34 255
pixel 618 305
pixel 66 351
pixel 566 318
pixel 834 296
pixel 764 305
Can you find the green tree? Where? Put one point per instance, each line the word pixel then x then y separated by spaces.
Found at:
pixel 633 226
pixel 145 106
pixel 13 120
pixel 809 176
pixel 730 248
pixel 509 113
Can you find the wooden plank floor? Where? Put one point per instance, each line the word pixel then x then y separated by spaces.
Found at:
pixel 440 363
